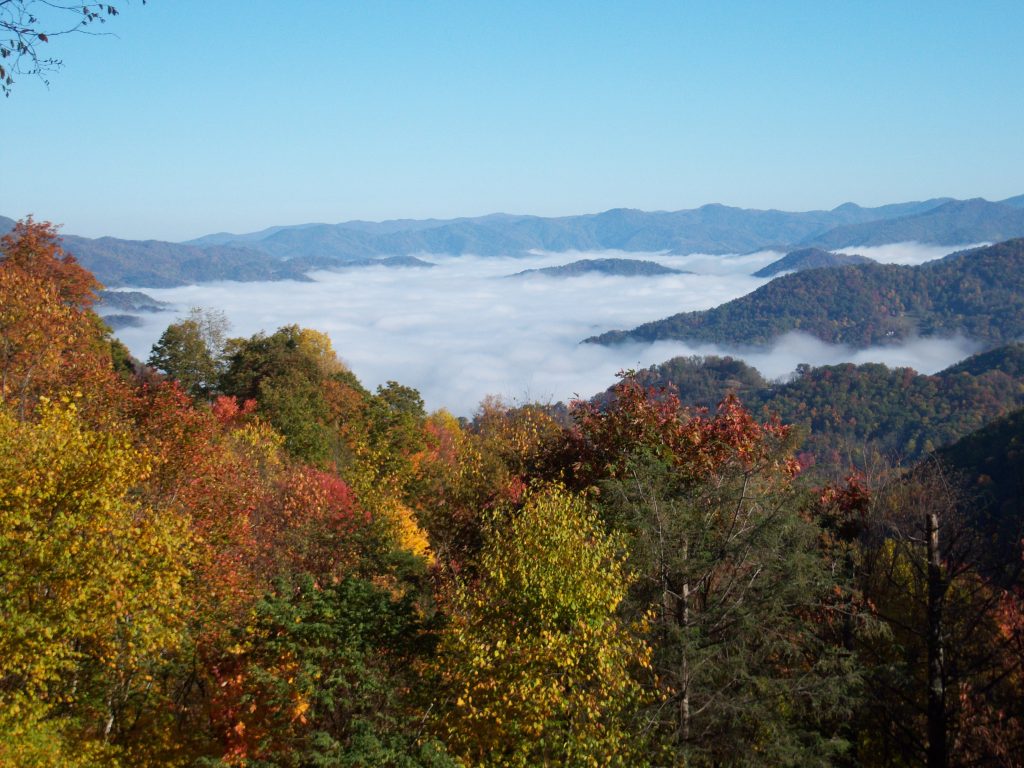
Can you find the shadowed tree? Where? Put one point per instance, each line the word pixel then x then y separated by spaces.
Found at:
pixel 947 680
pixel 732 574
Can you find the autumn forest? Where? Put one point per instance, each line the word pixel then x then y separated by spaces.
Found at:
pixel 237 555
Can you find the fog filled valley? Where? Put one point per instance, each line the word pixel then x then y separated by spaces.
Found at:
pixel 466 328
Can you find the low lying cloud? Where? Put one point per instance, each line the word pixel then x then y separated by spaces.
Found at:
pixel 907 253
pixel 924 355
pixel 700 263
pixel 459 331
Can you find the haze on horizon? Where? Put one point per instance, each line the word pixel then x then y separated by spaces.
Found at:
pixel 198 117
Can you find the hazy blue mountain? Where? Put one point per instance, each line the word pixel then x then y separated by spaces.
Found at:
pixel 809 258
pixel 6 225
pixel 288 252
pixel 118 321
pixel 393 262
pixel 979 293
pixel 711 228
pixel 954 223
pixel 620 267
pixel 120 309
pixel 158 264
pixel 223 238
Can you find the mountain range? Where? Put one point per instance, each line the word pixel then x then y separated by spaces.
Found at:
pixel 290 252
pixel 714 228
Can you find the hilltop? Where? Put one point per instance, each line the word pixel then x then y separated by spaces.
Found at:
pixel 978 293
pixel 809 258
pixel 619 267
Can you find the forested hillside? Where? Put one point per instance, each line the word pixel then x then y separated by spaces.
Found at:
pixel 846 410
pixel 238 555
pixel 977 293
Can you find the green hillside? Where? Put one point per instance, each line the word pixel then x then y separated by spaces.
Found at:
pixel 977 293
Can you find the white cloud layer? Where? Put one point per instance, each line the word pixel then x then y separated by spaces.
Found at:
pixel 461 331
pixel 907 253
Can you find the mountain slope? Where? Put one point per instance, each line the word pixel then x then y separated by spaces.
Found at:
pixel 979 293
pixel 990 465
pixel 1008 359
pixel 157 264
pixel 810 258
pixel 954 223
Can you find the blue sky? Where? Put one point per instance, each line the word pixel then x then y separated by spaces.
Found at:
pixel 208 115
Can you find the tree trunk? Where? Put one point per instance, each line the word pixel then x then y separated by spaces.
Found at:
pixel 684 703
pixel 937 754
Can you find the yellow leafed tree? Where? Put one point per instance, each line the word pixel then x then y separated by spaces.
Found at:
pixel 537 666
pixel 91 587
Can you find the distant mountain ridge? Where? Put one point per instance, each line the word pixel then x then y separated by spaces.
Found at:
pixel 953 223
pixel 979 293
pixel 289 252
pixel 157 264
pixel 712 228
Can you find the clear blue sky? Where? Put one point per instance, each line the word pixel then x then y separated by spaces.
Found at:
pixel 207 115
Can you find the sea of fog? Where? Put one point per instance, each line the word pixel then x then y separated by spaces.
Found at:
pixel 463 329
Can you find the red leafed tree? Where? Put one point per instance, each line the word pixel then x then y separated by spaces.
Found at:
pixel 644 420
pixel 50 341
pixel 316 515
pixel 34 247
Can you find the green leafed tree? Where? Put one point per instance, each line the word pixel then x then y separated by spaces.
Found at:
pixel 327 676
pixel 289 373
pixel 182 355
